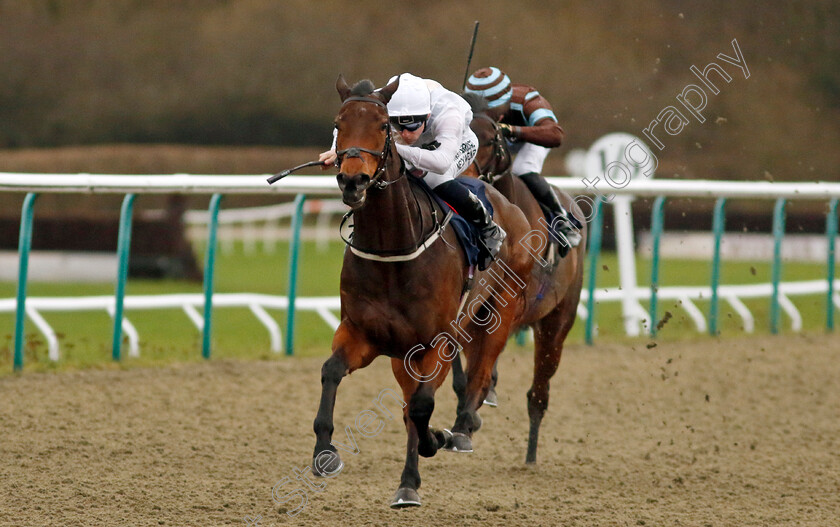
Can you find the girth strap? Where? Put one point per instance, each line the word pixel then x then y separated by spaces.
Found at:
pixel 425 244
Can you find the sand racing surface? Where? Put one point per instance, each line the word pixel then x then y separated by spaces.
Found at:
pixel 720 432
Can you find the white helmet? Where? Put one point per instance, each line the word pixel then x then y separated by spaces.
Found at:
pixel 412 98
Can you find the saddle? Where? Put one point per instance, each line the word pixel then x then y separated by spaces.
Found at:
pixel 468 235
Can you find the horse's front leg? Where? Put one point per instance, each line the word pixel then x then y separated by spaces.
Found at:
pixel 325 459
pixel 350 352
pixel 419 386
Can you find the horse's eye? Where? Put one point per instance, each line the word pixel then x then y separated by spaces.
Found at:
pixel 384 126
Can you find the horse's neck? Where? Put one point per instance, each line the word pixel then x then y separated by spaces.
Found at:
pixel 390 219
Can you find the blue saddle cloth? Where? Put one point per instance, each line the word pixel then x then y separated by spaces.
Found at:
pixel 467 233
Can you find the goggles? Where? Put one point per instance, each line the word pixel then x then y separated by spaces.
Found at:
pixel 408 122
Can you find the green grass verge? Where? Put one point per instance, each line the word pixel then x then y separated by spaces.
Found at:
pixel 676 272
pixel 168 336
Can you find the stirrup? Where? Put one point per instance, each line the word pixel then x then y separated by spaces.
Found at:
pixel 492 236
pixel 564 231
pixel 568 225
pixel 571 233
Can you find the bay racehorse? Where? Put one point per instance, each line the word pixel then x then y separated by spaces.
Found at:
pixel 405 288
pixel 553 286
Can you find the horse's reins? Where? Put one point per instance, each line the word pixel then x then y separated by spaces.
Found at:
pixel 395 255
pixel 499 151
pixel 409 253
pixel 390 255
pixel 403 254
pixel 356 151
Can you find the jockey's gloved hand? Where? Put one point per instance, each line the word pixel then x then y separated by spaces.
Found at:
pixel 507 130
pixel 431 145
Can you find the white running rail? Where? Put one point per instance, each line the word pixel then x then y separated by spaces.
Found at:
pixel 325 186
pixel 189 303
pixel 325 306
pixel 252 224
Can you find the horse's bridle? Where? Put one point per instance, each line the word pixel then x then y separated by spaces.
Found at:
pixel 356 151
pixel 500 152
pixel 404 253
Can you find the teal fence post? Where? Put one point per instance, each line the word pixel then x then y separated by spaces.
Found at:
pixel 778 234
pixel 657 221
pixel 831 234
pixel 209 268
pixel 294 256
pixel 595 228
pixel 123 251
pixel 718 226
pixel 24 245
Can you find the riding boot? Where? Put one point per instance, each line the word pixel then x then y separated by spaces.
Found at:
pixel 564 225
pixel 470 207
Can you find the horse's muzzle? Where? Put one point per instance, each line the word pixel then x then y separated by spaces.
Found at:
pixel 353 189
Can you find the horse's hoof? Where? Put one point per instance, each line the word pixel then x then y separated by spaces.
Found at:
pixel 327 464
pixel 405 497
pixel 459 443
pixel 491 399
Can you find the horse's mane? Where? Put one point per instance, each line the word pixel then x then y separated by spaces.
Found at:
pixel 362 88
pixel 477 103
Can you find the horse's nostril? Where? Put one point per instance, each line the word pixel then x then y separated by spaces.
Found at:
pixel 352 182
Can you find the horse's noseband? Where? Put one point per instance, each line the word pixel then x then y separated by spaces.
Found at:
pixel 356 151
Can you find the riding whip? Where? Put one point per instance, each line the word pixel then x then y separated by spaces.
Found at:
pixel 281 175
pixel 469 58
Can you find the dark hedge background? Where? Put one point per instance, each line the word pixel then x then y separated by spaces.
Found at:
pixel 260 72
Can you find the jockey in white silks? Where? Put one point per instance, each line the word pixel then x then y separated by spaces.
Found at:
pixel 431 130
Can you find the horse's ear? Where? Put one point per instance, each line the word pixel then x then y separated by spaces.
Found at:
pixel 388 91
pixel 342 87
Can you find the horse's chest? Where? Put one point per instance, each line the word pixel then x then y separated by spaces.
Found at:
pixel 400 305
pixel 394 326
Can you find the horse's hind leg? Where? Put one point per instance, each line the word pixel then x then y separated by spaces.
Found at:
pixel 349 353
pixel 459 382
pixel 492 399
pixel 484 350
pixel 549 334
pixel 459 386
